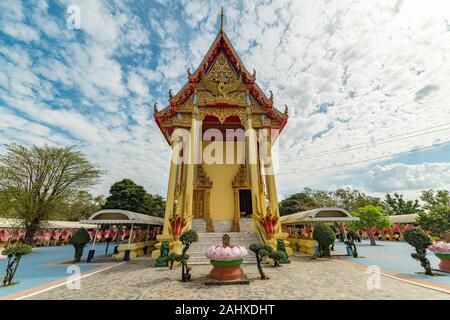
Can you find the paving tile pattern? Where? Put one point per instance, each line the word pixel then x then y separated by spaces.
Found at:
pixel 304 278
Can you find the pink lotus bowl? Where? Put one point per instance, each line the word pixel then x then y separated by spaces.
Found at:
pixel 233 252
pixel 440 247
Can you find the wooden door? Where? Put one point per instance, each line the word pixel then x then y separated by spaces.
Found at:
pixel 198 205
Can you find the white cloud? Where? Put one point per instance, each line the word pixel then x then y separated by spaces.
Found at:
pixel 399 176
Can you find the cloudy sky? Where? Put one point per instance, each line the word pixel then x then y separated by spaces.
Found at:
pixel 367 84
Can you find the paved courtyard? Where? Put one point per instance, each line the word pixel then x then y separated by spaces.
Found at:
pixel 304 278
pixel 45 265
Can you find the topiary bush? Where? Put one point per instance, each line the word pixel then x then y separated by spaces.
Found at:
pixel 261 250
pixel 418 239
pixel 187 238
pixel 14 254
pixel 277 256
pixel 79 241
pixel 325 236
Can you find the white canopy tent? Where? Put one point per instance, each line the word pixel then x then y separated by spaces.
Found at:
pixel 120 217
pixel 318 215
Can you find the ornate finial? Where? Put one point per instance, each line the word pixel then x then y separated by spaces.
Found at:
pixel 285 110
pixel 189 72
pixel 221 20
pixel 271 96
pixel 226 240
pixel 170 94
pixel 254 74
pixel 155 108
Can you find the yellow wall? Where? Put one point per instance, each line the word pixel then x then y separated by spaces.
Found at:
pixel 221 175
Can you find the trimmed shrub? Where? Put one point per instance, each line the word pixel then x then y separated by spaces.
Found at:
pixel 418 239
pixel 14 254
pixel 325 236
pixel 79 241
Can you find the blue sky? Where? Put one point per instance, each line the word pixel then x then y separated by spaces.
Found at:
pixel 366 83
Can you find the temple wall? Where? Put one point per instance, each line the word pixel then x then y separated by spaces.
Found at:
pixel 221 175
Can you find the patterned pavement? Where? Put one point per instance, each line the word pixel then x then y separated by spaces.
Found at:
pixel 43 266
pixel 395 257
pixel 304 278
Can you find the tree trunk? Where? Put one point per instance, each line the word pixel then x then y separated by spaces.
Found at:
pixel 370 234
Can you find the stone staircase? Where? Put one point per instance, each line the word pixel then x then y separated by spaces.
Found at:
pixel 246 237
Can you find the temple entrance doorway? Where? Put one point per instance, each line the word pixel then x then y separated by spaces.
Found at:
pixel 245 202
pixel 199 204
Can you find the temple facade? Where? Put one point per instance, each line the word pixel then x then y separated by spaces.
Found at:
pixel 221 127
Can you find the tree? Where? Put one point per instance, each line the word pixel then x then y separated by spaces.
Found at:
pixel 277 256
pixel 127 195
pixel 79 205
pixel 396 205
pixel 370 216
pixel 306 200
pixel 436 218
pixel 353 199
pixel 156 205
pixel 14 254
pixel 35 180
pixel 261 251
pixel 79 241
pixel 187 238
pixel 433 201
pixel 325 236
pixel 437 221
pixel 420 241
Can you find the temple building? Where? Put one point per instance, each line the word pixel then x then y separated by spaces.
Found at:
pixel 221 127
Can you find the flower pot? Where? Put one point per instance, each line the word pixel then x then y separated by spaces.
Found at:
pixel 226 270
pixel 444 263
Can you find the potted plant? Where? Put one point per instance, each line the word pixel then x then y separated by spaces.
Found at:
pixel 226 259
pixel 441 250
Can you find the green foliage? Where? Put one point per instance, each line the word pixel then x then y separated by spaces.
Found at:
pixel 281 246
pixel 370 216
pixel 78 206
pixel 14 254
pixel 162 261
pixel 187 238
pixel 418 239
pixel 437 221
pixel 435 200
pixel 261 250
pixel 349 199
pixel 353 199
pixel 80 237
pixel 17 250
pixel 79 241
pixel 36 180
pixel 306 200
pixel 325 236
pixel 396 205
pixel 127 195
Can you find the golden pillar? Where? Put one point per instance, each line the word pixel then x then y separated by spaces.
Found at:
pixel 237 214
pixel 171 189
pixel 194 142
pixel 252 152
